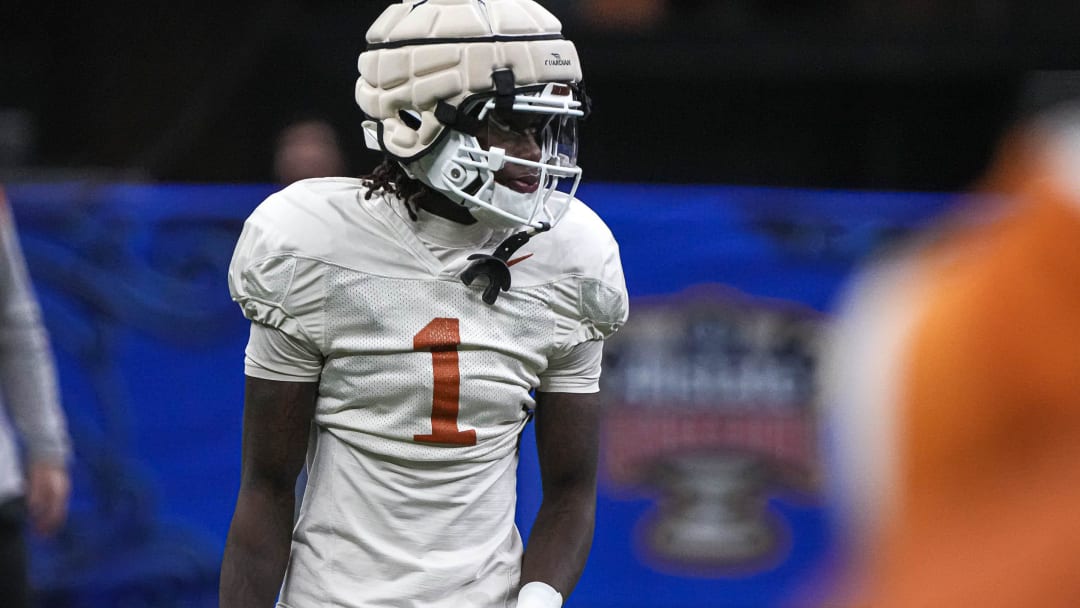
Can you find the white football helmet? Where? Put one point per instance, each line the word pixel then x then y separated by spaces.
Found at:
pixel 437 73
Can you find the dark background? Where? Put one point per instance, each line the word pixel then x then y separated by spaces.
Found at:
pixel 828 94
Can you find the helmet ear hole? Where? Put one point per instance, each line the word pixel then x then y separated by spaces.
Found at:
pixel 456 174
pixel 410 118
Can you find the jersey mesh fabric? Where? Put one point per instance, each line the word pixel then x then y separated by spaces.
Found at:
pixel 378 389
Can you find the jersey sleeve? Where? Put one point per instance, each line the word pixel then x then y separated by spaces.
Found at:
pixel 597 296
pixel 605 304
pixel 576 372
pixel 276 285
pixel 272 354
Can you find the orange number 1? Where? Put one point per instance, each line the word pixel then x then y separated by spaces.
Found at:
pixel 442 338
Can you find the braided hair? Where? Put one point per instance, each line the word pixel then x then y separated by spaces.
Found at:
pixel 390 178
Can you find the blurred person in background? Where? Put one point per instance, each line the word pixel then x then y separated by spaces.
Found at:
pixel 954 388
pixel 392 343
pixel 308 148
pixel 33 429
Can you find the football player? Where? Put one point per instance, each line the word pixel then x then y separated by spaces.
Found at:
pixel 416 319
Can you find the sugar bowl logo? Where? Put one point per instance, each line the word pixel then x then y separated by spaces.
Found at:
pixel 708 410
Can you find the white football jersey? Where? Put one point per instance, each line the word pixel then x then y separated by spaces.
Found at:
pixel 424 388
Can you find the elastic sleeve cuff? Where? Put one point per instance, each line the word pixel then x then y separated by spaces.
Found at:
pixel 60 456
pixel 575 372
pixel 272 354
pixel 255 370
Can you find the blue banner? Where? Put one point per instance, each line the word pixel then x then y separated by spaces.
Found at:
pixel 710 491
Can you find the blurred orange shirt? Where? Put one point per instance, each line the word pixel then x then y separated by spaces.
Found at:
pixel 982 504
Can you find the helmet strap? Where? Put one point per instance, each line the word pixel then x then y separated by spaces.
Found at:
pixel 457 120
pixel 504 91
pixel 505 94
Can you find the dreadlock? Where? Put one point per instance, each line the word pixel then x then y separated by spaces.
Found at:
pixel 390 178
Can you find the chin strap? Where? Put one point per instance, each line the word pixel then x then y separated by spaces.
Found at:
pixel 494 266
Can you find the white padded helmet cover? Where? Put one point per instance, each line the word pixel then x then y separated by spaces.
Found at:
pixel 407 67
